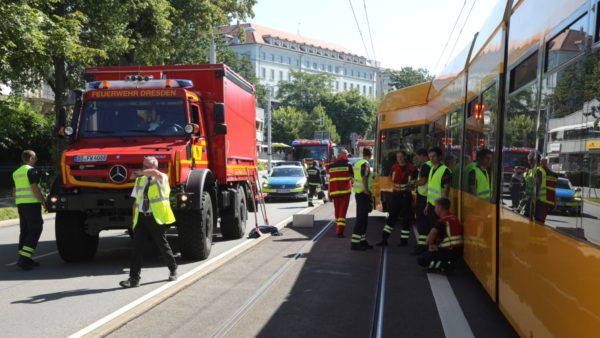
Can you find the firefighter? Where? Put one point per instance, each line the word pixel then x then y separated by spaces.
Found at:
pixel 421 202
pixel 438 185
pixel 404 174
pixel 361 187
pixel 444 241
pixel 479 177
pixel 315 181
pixel 30 201
pixel 340 188
pixel 545 190
pixel 151 215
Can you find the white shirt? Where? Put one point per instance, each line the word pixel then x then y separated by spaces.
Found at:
pixel 134 192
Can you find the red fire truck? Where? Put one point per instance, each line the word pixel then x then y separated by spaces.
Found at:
pixel 311 150
pixel 197 120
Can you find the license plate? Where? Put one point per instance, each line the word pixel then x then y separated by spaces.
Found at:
pixel 90 158
pixel 283 191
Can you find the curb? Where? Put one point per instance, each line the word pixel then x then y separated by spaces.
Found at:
pixel 117 319
pixel 586 200
pixel 15 221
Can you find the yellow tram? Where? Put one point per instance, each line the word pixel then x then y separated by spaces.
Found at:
pixel 530 80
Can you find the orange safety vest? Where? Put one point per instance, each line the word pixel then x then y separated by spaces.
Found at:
pixel 340 178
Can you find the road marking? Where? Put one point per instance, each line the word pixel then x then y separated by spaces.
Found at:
pixel 378 317
pixel 158 295
pixel 36 257
pixel 453 318
pixel 242 310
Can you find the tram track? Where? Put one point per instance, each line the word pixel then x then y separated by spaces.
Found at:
pixel 241 311
pixel 378 308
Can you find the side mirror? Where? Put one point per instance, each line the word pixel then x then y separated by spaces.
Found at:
pixel 219 109
pixel 221 129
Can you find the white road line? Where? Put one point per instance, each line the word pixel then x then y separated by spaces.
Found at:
pixel 36 257
pixel 169 285
pixel 453 318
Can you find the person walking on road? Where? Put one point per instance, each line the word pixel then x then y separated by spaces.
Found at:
pixel 445 240
pixel 364 202
pixel 438 185
pixel 315 181
pixel 30 201
pixel 404 174
pixel 340 188
pixel 151 213
pixel 421 202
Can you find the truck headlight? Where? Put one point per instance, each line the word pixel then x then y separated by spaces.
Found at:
pixel 53 199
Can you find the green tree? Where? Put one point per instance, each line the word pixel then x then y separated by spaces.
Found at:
pixel 351 112
pixel 407 76
pixel 306 91
pixel 29 129
pixel 519 131
pixel 312 123
pixel 286 124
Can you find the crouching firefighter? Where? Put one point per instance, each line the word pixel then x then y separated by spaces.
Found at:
pixel 315 181
pixel 340 188
pixel 445 240
pixel 404 175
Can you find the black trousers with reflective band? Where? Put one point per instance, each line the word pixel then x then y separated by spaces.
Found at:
pixel 400 206
pixel 147 227
pixel 441 258
pixel 422 221
pixel 31 223
pixel 363 207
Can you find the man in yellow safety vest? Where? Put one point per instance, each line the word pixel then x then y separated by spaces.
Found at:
pixel 438 185
pixel 151 215
pixel 361 186
pixel 29 202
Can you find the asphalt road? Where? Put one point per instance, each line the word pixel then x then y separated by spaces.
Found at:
pixel 58 298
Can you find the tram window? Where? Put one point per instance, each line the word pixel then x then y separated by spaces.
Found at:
pixel 409 139
pixel 567 44
pixel 524 73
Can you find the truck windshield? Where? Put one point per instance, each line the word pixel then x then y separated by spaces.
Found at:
pixel 311 152
pixel 133 117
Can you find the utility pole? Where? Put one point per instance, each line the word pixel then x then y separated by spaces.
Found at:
pixel 269 141
pixel 213 50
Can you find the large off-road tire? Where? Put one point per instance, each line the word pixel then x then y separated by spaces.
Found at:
pixel 232 226
pixel 195 230
pixel 73 243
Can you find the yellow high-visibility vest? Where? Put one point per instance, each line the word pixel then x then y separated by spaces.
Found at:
pixel 23 192
pixel 434 184
pixel 158 199
pixel 357 185
pixel 422 189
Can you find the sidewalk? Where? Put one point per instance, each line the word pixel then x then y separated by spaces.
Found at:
pixel 13 222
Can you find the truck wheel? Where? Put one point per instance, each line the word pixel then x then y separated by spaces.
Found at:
pixel 73 243
pixel 195 230
pixel 233 227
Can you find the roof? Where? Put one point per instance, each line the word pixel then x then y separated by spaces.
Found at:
pixel 260 33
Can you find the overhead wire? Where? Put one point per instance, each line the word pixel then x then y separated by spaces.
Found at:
pixel 359 30
pixel 369 28
pixel 434 69
pixel 460 33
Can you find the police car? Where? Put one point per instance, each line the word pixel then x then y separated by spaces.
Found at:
pixel 286 181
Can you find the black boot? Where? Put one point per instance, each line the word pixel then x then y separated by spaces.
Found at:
pixel 366 245
pixel 130 283
pixel 357 247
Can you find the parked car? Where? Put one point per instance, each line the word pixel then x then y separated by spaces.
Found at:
pixel 568 198
pixel 292 163
pixel 286 181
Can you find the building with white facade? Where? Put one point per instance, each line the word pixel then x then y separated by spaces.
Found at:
pixel 274 54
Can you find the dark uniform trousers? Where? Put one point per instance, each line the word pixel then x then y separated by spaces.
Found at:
pixel 147 226
pixel 440 259
pixel 363 207
pixel 423 225
pixel 31 222
pixel 401 206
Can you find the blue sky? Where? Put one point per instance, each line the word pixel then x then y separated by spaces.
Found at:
pixel 405 32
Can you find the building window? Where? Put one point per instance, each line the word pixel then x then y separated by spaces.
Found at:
pixel 345 72
pixel 315 66
pixel 298 62
pixel 370 91
pixel 337 86
pixel 280 75
pixel 322 67
pixel 330 68
pixel 280 58
pixel 273 57
pixel 289 60
pixel 307 64
pixel 352 86
pixel 345 86
pixel 263 55
pixel 364 90
pixel 272 77
pixel 337 70
pixel 263 73
pixel 352 72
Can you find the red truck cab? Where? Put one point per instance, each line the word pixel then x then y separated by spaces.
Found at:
pixel 197 120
